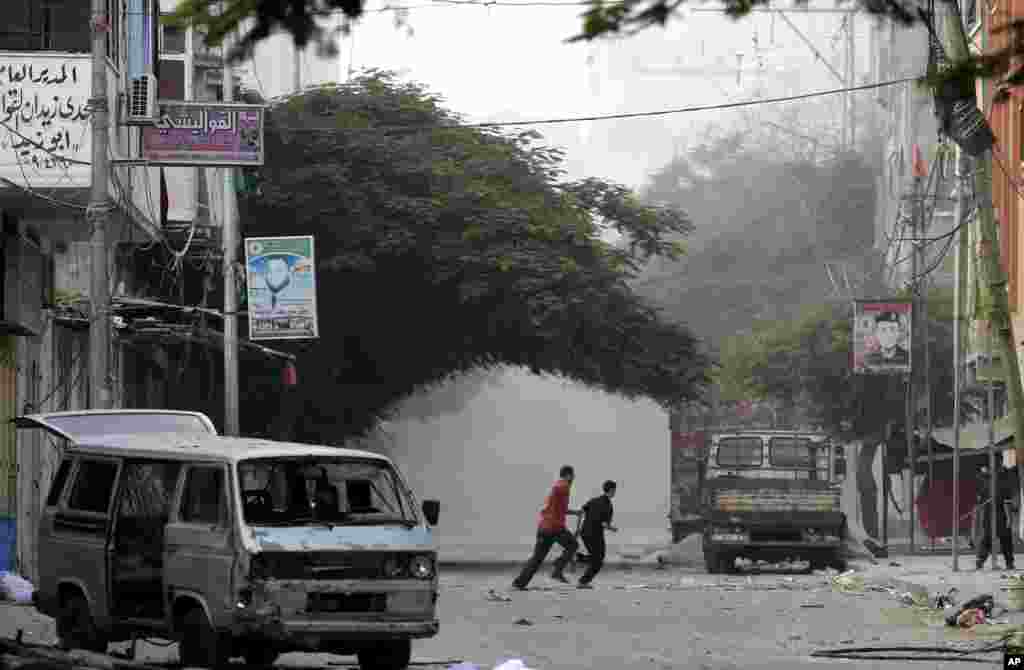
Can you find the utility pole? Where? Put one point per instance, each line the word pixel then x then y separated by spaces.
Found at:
pixel 297 70
pixel 961 219
pixel 851 78
pixel 230 232
pixel 98 215
pixel 916 204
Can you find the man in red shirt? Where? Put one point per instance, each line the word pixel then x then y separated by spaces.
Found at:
pixel 551 529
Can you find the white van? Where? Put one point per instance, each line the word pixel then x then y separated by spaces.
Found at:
pixel 231 546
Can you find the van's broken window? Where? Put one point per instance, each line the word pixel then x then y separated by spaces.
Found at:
pixel 334 490
pixel 203 501
pixel 792 452
pixel 93 487
pixel 60 480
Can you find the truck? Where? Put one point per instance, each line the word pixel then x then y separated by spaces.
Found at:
pixel 756 493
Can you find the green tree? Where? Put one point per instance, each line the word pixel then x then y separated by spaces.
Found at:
pixel 450 249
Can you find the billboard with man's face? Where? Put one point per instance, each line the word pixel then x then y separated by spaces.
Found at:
pixel 881 337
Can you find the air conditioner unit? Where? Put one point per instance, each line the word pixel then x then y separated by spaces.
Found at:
pixel 142 107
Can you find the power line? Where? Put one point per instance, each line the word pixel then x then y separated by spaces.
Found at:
pixel 611 117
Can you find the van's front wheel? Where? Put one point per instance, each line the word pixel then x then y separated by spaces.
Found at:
pixel 391 655
pixel 201 646
pixel 76 627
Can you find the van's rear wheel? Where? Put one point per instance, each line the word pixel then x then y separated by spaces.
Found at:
pixel 391 655
pixel 76 627
pixel 201 646
pixel 260 655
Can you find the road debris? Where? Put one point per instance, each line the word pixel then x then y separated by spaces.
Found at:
pixel 512 664
pixel 523 622
pixel 496 597
pixel 848 581
pixel 812 605
pixel 974 611
pixel 15 589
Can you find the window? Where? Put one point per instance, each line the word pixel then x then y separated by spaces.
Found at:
pixel 743 452
pixel 792 452
pixel 172 39
pixel 147 488
pixel 59 481
pixel 294 490
pixel 93 486
pixel 203 501
pixel 114 34
pixel 172 80
pixel 32 25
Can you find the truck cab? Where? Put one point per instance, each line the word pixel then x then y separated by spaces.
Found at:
pixel 770 495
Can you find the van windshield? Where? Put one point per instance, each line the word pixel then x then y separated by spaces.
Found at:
pixel 335 491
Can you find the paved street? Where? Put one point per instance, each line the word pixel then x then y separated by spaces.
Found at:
pixel 646 618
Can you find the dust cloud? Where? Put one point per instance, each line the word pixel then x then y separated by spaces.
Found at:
pixel 492 462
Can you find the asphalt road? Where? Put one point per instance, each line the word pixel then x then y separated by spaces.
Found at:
pixel 641 619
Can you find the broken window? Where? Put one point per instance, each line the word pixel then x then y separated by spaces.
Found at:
pixel 59 481
pixel 93 486
pixel 203 501
pixel 147 489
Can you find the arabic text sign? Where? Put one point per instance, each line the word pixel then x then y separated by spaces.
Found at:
pixel 44 119
pixel 881 337
pixel 281 288
pixel 192 133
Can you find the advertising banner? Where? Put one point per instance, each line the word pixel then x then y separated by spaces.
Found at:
pixel 281 288
pixel 881 337
pixel 200 133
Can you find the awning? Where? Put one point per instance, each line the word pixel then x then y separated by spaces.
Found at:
pixel 974 435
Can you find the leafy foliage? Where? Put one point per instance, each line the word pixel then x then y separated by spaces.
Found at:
pixel 446 249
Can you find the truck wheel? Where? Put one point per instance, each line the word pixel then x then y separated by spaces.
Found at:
pixel 391 655
pixel 201 646
pixel 76 627
pixel 711 562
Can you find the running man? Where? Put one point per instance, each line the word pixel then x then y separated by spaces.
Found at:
pixel 551 529
pixel 597 518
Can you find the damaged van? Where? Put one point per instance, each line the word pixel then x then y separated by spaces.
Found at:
pixel 236 547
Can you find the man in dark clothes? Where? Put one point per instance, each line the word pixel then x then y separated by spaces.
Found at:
pixel 551 529
pixel 597 517
pixel 1004 497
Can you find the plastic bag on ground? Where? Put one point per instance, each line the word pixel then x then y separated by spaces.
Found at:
pixel 15 588
pixel 848 581
pixel 463 666
pixel 512 664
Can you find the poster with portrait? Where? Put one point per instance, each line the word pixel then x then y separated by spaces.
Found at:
pixel 881 337
pixel 281 288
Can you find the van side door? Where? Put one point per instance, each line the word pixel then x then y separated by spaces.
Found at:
pixel 199 551
pixel 76 546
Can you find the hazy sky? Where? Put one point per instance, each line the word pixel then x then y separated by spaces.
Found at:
pixel 511 63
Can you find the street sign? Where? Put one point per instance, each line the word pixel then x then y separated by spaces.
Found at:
pixel 281 288
pixel 205 134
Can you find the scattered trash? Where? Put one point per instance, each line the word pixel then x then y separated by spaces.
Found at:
pixel 983 605
pixel 848 581
pixel 894 564
pixel 812 605
pixel 523 622
pixel 945 600
pixel 513 664
pixel 464 666
pixel 15 589
pixel 494 596
pixel 969 618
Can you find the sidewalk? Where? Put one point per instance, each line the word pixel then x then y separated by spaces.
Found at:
pixel 934 574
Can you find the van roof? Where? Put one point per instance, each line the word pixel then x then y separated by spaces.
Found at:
pixel 208 447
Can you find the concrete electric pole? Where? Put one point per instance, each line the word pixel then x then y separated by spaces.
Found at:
pixel 98 215
pixel 231 421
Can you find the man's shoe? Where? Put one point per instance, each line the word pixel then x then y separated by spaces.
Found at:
pixel 583 585
pixel 558 576
pixel 517 587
